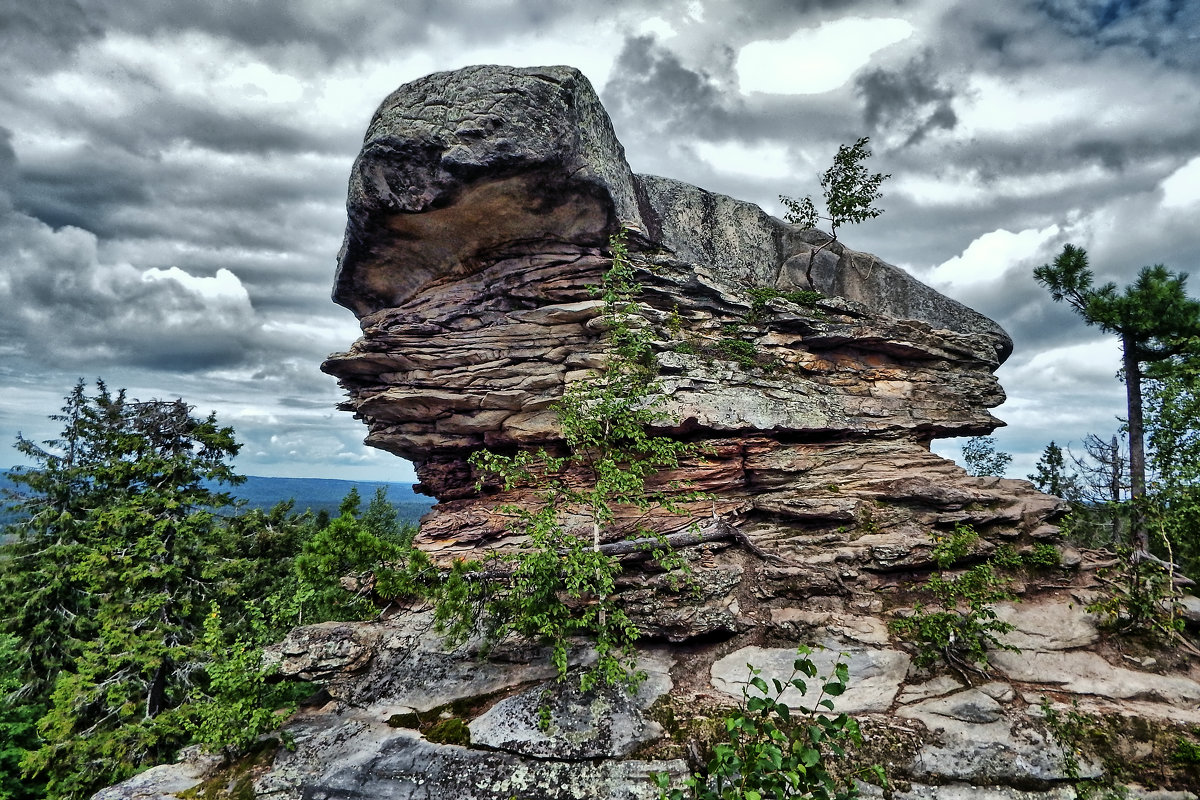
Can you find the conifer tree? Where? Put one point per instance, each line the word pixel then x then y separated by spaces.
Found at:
pixel 1051 475
pixel 1155 320
pixel 106 584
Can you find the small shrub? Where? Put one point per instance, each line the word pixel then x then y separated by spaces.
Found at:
pixel 772 754
pixel 1043 556
pixel 1186 751
pixel 761 295
pixel 1141 597
pixel 675 322
pixel 744 353
pixel 964 626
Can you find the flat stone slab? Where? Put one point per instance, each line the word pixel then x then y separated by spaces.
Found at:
pixel 404 766
pixel 875 676
pixel 1048 626
pixel 991 753
pixel 163 782
pixel 959 791
pixel 1088 673
pixel 605 722
pixel 934 687
pixel 969 706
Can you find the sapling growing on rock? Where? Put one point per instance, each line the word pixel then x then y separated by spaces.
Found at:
pixel 850 193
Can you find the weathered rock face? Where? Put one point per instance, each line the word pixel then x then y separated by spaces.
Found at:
pixel 479 214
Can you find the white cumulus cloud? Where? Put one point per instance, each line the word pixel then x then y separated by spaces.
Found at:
pixel 817 60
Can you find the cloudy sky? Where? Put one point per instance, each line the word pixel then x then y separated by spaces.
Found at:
pixel 172 175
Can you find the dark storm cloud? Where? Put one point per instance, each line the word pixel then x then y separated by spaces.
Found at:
pixel 86 190
pixel 44 30
pixel 650 84
pixel 908 102
pixel 321 33
pixel 199 175
pixel 1167 30
pixel 69 306
pixel 8 159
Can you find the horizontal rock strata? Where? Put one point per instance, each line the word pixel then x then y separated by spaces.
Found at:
pixel 480 211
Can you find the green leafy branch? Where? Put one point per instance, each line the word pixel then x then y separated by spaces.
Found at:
pixel 850 193
pixel 561 583
pixel 773 752
pixel 963 627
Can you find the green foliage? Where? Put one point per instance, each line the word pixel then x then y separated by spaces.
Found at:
pixel 675 322
pixel 1140 596
pixel 1052 476
pixel 239 703
pixel 1172 411
pixel 773 752
pixel 1186 751
pixel 1043 556
pixel 1071 730
pixel 121 551
pixel 336 568
pixel 760 296
pixel 742 352
pixel 18 725
pixel 980 457
pixel 561 584
pixel 949 549
pixel 962 627
pixel 1156 322
pixel 850 193
pixel 104 584
pixel 450 731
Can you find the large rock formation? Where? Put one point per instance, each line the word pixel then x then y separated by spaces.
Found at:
pixel 480 212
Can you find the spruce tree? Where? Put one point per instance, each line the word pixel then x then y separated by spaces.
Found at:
pixel 106 585
pixel 1051 475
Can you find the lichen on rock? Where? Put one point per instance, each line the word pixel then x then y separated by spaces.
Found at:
pixel 479 211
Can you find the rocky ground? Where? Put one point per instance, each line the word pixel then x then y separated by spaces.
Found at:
pixel 480 211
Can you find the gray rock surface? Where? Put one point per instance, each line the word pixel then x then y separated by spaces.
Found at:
pixel 963 791
pixel 166 781
pixel 875 675
pixel 480 211
pixel 1087 673
pixel 482 160
pixel 606 722
pixel 405 767
pixel 1048 626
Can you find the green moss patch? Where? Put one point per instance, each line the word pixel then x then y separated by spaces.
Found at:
pixel 450 731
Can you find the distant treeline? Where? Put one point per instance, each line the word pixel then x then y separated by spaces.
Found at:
pixel 309 494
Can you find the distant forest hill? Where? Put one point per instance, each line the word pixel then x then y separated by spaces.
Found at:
pixel 310 494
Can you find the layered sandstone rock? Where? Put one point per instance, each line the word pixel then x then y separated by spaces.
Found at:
pixel 480 211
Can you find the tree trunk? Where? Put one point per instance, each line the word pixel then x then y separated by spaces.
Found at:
pixel 1137 449
pixel 1115 487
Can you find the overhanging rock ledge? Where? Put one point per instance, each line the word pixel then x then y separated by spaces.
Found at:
pixel 480 211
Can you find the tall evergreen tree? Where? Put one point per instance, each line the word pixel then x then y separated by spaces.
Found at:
pixel 107 581
pixel 1155 320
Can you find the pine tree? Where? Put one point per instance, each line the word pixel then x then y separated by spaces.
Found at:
pixel 1155 320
